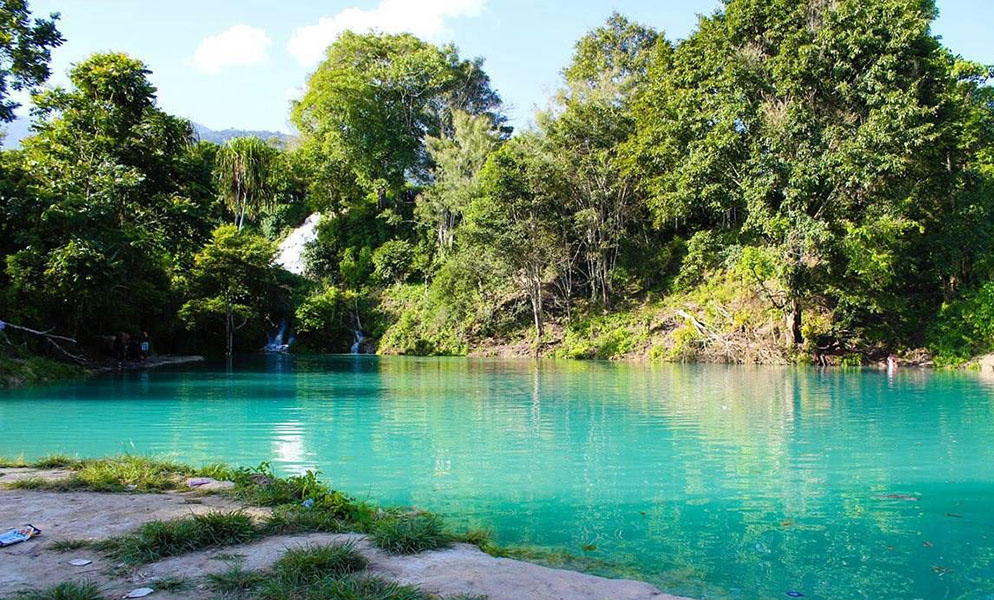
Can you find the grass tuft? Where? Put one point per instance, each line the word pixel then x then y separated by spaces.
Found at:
pixel 171 584
pixel 308 564
pixel 481 538
pixel 236 580
pixel 411 534
pixel 13 463
pixel 158 539
pixel 68 545
pixel 57 461
pixel 293 518
pixel 67 590
pixel 342 588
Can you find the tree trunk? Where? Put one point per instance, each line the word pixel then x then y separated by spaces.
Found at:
pixel 241 217
pixel 229 330
pixel 536 298
pixel 794 321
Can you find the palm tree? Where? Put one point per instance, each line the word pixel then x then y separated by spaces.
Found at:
pixel 243 172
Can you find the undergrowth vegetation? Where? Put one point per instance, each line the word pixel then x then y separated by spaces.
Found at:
pixel 299 504
pixel 15 372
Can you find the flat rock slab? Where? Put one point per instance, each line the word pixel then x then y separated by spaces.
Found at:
pixel 461 569
pixel 465 569
pixel 86 516
pixel 12 474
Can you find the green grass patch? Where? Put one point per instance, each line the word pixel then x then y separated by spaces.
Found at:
pixel 156 540
pixel 68 545
pixel 15 372
pixel 481 538
pixel 171 584
pixel 293 518
pixel 236 580
pixel 410 534
pixel 125 473
pixel 308 564
pixel 67 590
pixel 335 588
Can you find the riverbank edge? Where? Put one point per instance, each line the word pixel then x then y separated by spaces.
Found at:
pixel 37 370
pixel 130 475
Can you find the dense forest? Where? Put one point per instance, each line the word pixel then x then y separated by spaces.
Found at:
pixel 798 180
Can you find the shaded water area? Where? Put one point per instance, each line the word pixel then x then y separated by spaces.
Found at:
pixel 709 481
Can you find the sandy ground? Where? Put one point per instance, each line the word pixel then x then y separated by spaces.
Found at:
pixel 85 515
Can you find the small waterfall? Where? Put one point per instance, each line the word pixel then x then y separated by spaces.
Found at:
pixel 290 255
pixel 276 343
pixel 359 339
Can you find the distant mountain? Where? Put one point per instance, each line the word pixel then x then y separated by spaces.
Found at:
pixel 20 128
pixel 219 137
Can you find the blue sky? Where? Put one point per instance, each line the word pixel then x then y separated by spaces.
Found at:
pixel 237 63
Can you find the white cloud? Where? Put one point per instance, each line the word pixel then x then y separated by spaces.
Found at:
pixel 423 18
pixel 241 45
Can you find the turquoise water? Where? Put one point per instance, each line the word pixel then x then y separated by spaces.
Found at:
pixel 709 481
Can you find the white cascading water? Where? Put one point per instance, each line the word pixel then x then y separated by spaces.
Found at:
pixel 290 255
pixel 359 339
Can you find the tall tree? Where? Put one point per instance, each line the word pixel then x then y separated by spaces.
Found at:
pixel 244 175
pixel 108 205
pixel 457 162
pixel 514 221
pixel 25 51
pixel 586 131
pixel 820 130
pixel 233 280
pixel 375 99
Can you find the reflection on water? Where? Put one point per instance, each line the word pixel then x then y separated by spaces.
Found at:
pixel 711 481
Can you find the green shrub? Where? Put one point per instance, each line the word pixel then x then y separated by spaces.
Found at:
pixel 392 261
pixel 964 327
pixel 323 319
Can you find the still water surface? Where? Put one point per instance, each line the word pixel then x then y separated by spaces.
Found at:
pixel 709 481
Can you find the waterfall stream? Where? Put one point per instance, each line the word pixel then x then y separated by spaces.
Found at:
pixel 290 255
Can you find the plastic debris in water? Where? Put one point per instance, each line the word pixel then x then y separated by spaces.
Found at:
pixel 309 503
pixel 139 593
pixel 927 544
pixel 80 562
pixel 794 594
pixel 588 547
